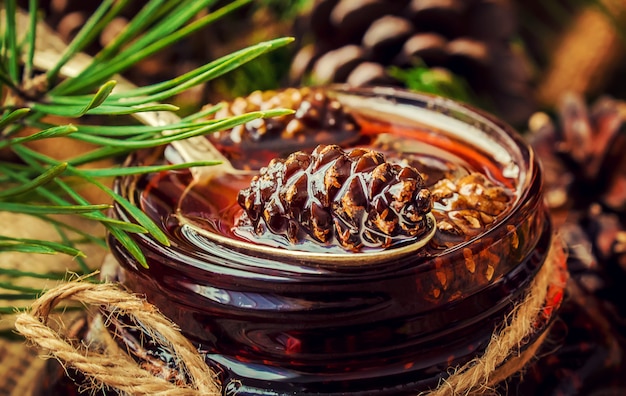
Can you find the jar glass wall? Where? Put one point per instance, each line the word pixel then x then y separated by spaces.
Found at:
pixel 272 322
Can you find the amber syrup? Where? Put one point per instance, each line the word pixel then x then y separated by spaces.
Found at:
pixel 277 325
pixel 402 323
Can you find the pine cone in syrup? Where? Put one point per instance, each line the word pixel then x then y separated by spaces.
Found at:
pixel 472 202
pixel 352 198
pixel 318 119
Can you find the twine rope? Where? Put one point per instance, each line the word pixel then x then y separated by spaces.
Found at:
pixel 115 369
pixel 498 362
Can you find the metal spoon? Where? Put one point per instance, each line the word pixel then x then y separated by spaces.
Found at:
pixel 319 259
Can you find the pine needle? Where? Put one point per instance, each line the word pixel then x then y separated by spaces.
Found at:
pixel 44 187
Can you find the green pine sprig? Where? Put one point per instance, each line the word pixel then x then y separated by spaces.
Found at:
pixel 44 187
pixel 436 81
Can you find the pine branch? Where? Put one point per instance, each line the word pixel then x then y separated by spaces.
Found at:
pixel 74 86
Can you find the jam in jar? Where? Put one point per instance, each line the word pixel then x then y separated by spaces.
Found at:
pixel 275 315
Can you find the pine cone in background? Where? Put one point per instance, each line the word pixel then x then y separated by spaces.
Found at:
pixel 357 41
pixel 583 159
pixel 248 25
pixel 585 185
pixel 585 177
pixel 355 198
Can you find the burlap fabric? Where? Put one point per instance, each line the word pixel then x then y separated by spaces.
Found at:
pixel 19 368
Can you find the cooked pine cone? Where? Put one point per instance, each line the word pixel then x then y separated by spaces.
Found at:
pixel 473 203
pixel 355 199
pixel 584 169
pixel 318 119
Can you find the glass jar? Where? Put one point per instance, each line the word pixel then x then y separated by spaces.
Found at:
pixel 281 322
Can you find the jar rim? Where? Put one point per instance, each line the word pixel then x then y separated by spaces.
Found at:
pixel 518 154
